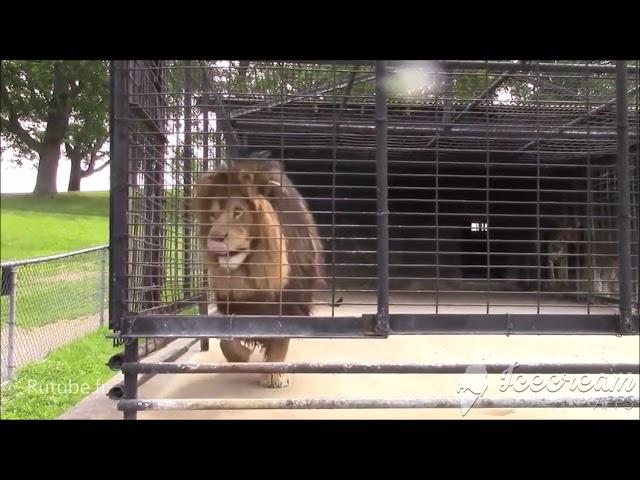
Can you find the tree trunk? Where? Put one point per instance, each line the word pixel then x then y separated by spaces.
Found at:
pixel 75 175
pixel 47 170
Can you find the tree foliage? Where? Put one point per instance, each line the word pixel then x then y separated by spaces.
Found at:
pixel 46 103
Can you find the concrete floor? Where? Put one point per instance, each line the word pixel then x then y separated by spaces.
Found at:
pixel 418 349
pixel 395 349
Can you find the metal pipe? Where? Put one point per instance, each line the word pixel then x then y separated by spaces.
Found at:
pixel 266 326
pixel 299 96
pixel 576 121
pixel 116 361
pixel 103 272
pixel 11 327
pixel 628 401
pixel 518 66
pixel 203 309
pixel 624 198
pixel 118 198
pixel 31 261
pixel 443 129
pixel 186 167
pixel 487 91
pixel 381 368
pixel 130 379
pixel 117 391
pixel 382 203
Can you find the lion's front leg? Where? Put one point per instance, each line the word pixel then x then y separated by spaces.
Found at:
pixel 552 272
pixel 276 351
pixel 234 351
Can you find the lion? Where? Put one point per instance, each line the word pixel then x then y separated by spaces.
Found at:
pixel 261 250
pixel 562 244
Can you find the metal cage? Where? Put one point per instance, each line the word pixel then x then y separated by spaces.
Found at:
pixel 450 197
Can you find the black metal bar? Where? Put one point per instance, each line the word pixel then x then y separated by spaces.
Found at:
pixel 624 198
pixel 545 84
pixel 223 121
pixel 205 138
pixel 382 203
pixel 130 379
pixel 50 258
pixel 187 168
pixel 498 132
pixel 485 93
pixel 590 113
pixel 497 65
pixel 149 123
pixel 118 198
pixel 163 368
pixel 203 309
pixel 626 401
pixel 223 326
pixel 117 391
pixel 298 96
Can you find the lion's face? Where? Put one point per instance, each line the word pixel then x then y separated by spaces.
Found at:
pixel 237 224
pixel 228 228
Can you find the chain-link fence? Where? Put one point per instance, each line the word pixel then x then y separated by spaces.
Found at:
pixel 48 302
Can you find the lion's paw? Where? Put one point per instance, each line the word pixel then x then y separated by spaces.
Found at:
pixel 275 380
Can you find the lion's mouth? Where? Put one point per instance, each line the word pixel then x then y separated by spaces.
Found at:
pixel 233 259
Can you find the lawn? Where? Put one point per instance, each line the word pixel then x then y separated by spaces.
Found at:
pixel 39 226
pixel 33 227
pixel 46 389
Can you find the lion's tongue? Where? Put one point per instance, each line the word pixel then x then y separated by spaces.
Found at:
pixel 217 248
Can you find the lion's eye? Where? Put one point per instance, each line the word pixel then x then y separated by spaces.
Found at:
pixel 237 213
pixel 212 218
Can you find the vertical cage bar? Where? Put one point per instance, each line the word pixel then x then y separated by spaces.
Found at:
pixel 203 309
pixel 205 134
pixel 118 237
pixel 334 146
pixel 624 197
pixel 131 379
pixel 382 203
pixel 187 168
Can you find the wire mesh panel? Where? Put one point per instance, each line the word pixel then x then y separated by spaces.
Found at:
pixel 253 188
pixel 49 302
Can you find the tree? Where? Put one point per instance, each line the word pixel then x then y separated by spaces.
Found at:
pixel 89 130
pixel 40 100
pixel 86 154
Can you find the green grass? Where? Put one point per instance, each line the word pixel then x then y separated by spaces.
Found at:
pixel 39 226
pixel 44 390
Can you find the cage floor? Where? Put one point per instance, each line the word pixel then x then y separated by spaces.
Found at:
pixel 423 349
pixel 399 349
pixel 456 302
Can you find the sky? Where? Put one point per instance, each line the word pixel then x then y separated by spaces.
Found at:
pixel 16 179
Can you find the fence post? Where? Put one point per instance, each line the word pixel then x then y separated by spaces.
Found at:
pixel 103 265
pixel 11 331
